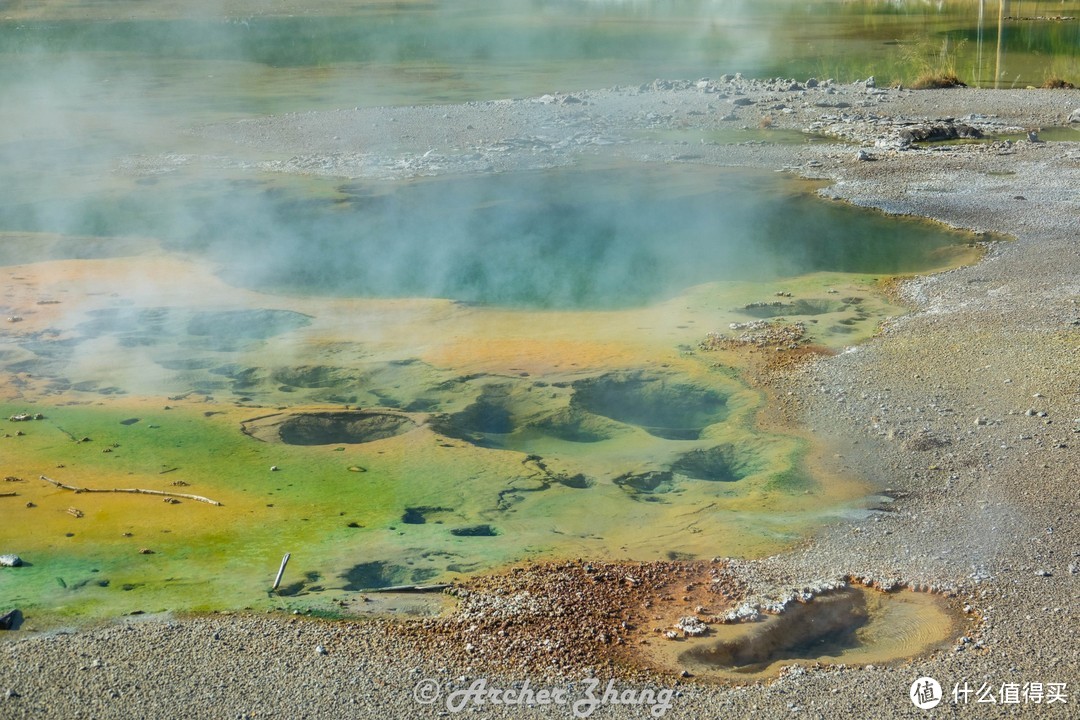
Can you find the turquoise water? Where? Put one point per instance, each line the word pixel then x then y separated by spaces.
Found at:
pixel 610 237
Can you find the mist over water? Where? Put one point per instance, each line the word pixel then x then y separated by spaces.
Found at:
pixel 86 90
pixel 567 238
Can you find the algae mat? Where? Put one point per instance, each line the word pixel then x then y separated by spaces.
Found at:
pixel 387 441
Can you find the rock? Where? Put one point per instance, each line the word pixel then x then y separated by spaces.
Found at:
pixel 812 83
pixel 940 131
pixel 1074 117
pixel 871 83
pixel 744 613
pixel 10 620
pixel 10 561
pixel 862 156
pixel 320 650
pixel 692 626
pixel 981 420
pixel 1043 573
pixel 742 101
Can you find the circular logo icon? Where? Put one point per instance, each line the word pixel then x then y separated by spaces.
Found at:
pixel 427 691
pixel 925 693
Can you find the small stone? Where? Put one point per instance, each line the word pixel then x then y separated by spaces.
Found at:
pixel 1074 117
pixel 274 468
pixel 862 156
pixel 320 650
pixel 1043 573
pixel 692 626
pixel 981 420
pixel 10 561
pixel 146 551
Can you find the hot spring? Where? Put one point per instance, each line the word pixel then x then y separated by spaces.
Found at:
pixel 431 378
pixel 407 380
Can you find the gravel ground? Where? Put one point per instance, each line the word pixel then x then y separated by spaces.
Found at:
pixel 967 411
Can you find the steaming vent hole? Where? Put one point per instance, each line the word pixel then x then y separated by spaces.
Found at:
pixel 381 574
pixel 663 407
pixel 826 626
pixel 654 481
pixel 329 428
pixel 722 463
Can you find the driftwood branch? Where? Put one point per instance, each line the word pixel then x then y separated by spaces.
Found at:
pixel 138 491
pixel 408 589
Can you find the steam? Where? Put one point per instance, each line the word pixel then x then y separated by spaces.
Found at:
pixel 87 102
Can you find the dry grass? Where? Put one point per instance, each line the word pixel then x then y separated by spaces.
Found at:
pixel 1056 83
pixel 765 122
pixel 928 81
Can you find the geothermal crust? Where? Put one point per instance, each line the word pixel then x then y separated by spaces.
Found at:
pixel 965 413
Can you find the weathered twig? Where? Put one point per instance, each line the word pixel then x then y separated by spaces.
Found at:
pixel 138 491
pixel 8 494
pixel 408 589
pixel 281 571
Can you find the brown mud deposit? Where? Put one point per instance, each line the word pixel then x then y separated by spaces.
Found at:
pixel 629 618
pixel 850 626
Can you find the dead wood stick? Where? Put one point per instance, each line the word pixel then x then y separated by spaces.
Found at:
pixel 408 589
pixel 138 491
pixel 8 494
pixel 281 570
